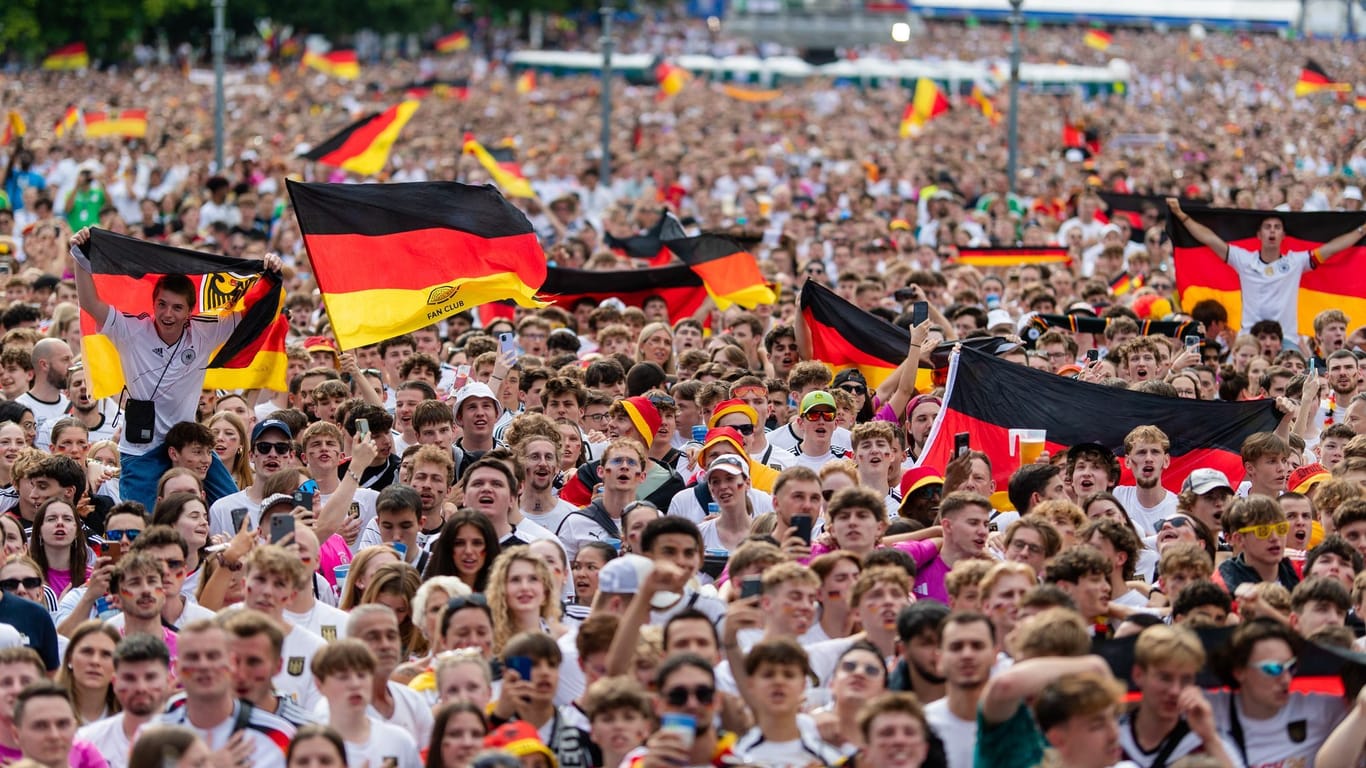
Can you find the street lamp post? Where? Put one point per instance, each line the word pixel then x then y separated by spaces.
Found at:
pixel 605 162
pixel 219 49
pixel 1013 130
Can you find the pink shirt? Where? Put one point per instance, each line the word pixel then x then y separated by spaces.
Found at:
pixel 331 554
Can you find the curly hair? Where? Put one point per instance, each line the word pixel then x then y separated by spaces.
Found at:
pixel 504 622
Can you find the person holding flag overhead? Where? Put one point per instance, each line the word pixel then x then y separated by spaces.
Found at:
pixel 1268 277
pixel 164 358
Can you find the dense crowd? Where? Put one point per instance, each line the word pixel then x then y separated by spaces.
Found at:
pixel 598 535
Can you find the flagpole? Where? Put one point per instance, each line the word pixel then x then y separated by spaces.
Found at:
pixel 605 162
pixel 1013 131
pixel 219 44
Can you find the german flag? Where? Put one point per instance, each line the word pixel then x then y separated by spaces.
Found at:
pixel 128 123
pixel 510 180
pixel 1125 283
pixel 1360 103
pixel 1313 79
pixel 1339 283
pixel 1010 257
pixel 1097 39
pixel 392 258
pixel 987 397
pixel 650 246
pixel 455 41
pixel 15 127
pixel 526 82
pixel 363 146
pixel 68 57
pixel 458 88
pixel 729 272
pixel 670 78
pixel 677 284
pixel 342 65
pixel 1083 324
pixel 1131 207
pixel 928 103
pixel 750 95
pixel 125 271
pixel 69 120
pixel 979 96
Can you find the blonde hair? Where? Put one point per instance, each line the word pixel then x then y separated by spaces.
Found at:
pixel 504 623
pixel 670 365
pixel 1164 644
pixel 241 463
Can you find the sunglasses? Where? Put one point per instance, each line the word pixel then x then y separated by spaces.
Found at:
pixel 814 415
pixel 28 582
pixel 1175 522
pixel 1266 531
pixel 678 696
pixel 854 389
pixel 265 448
pixel 869 669
pixel 1268 668
pixel 464 601
pixel 174 566
pixel 120 534
pixel 745 429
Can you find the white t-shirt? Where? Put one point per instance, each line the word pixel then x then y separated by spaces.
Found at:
pixel 1145 518
pixel 220 513
pixel 1188 745
pixel 45 414
pixel 295 678
pixel 108 737
pixel 172 375
pixel 389 747
pixel 575 530
pixel 685 504
pixel 711 538
pixel 959 736
pixel 801 752
pixel 1270 291
pixel 322 620
pixel 412 715
pixel 551 520
pixel 1292 737
pixel 268 733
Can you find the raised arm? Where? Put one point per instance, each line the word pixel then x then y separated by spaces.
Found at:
pixel 1342 242
pixel 85 284
pixel 1201 232
pixel 1005 692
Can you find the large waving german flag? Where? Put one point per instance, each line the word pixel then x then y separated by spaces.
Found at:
pixel 1314 79
pixel 730 273
pixel 650 246
pixel 928 103
pixel 508 179
pixel 1338 283
pixel 363 147
pixel 987 397
pixel 128 123
pixel 125 271
pixel 1010 257
pixel 677 284
pixel 342 65
pixel 1131 207
pixel 392 258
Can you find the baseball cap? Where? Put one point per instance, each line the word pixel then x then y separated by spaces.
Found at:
pixel 625 575
pixel 999 317
pixel 730 464
pixel 1204 480
pixel 476 389
pixel 1306 477
pixel 818 398
pixel 262 426
pixel 1351 193
pixel 277 498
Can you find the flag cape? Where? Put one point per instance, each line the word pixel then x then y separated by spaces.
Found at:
pixel 729 272
pixel 677 284
pixel 511 182
pixel 987 396
pixel 1313 79
pixel 342 65
pixel 126 269
pixel 1009 257
pixel 392 258
pixel 651 245
pixel 751 95
pixel 1339 283
pixel 1098 39
pixel 69 119
pixel 363 146
pixel 928 103
pixel 14 127
pixel 129 123
pixel 70 56
pixel 455 41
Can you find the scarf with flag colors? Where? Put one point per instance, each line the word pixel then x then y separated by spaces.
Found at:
pixel 392 258
pixel 650 246
pixel 125 271
pixel 927 103
pixel 1338 283
pixel 1010 257
pixel 987 397
pixel 342 65
pixel 730 273
pixel 128 123
pixel 363 147
pixel 68 57
pixel 509 179
pixel 682 289
pixel 1314 79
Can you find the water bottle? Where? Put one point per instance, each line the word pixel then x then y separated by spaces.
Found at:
pixel 713 509
pixel 401 549
pixel 699 433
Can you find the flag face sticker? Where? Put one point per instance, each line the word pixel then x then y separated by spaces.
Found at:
pixel 729 272
pixel 1338 283
pixel 680 288
pixel 987 397
pixel 125 272
pixel 363 146
pixel 392 258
